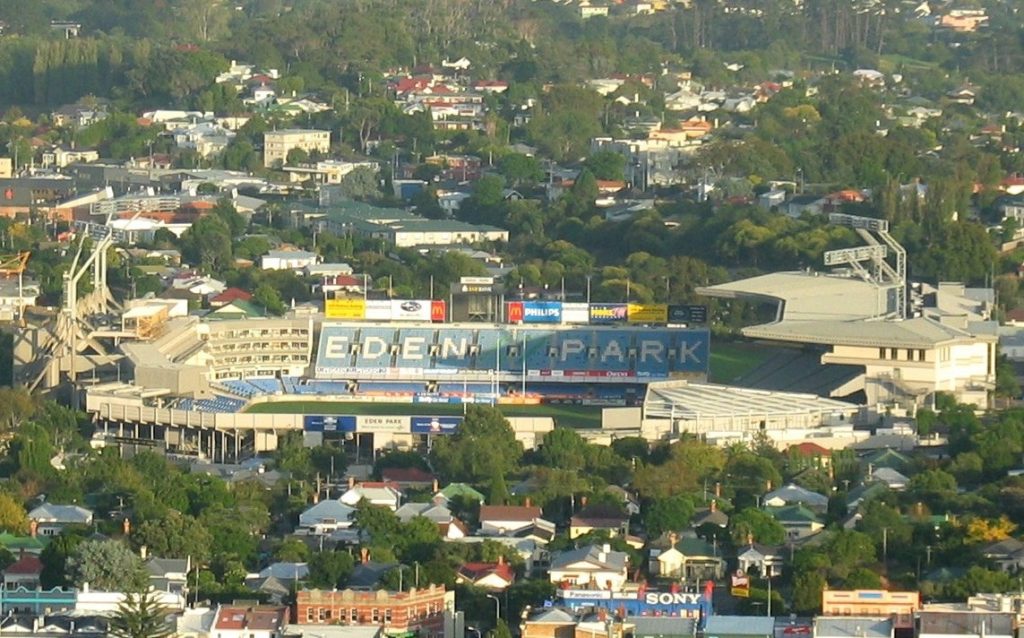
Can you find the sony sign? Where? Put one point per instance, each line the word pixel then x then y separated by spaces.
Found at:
pixel 667 598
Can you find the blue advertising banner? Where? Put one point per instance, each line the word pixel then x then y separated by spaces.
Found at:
pixel 328 423
pixel 435 424
pixel 542 312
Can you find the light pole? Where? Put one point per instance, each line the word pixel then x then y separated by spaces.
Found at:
pixel 497 609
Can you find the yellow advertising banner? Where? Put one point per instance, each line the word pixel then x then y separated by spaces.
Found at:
pixel 345 308
pixel 647 313
pixel 741 592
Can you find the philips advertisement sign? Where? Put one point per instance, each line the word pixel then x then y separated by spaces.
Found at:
pixel 435 424
pixel 542 312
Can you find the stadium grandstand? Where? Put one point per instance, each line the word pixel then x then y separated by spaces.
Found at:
pixel 863 331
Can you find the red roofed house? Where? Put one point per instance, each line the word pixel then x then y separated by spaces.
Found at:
pixel 810 454
pixel 494 576
pixel 249 621
pixel 409 477
pixel 24 572
pixel 229 296
pixel 506 519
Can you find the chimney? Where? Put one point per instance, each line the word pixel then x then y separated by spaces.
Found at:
pixel 528 503
pixel 750 538
pixel 501 559
pixel 768 486
pixel 316 498
pixel 33 528
pixel 435 486
pixel 143 552
pixel 351 482
pixel 364 555
pixel 718 490
pixel 583 501
pixel 672 538
pixel 714 505
pixel 126 527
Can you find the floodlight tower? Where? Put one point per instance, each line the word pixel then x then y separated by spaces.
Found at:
pixel 887 258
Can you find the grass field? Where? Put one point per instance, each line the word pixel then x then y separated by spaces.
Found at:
pixel 572 416
pixel 730 361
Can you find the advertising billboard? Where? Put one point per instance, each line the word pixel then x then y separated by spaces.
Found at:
pixel 382 424
pixel 647 313
pixel 328 423
pixel 435 424
pixel 438 311
pixel 575 313
pixel 689 313
pixel 607 313
pixel 378 310
pixel 542 312
pixel 345 308
pixel 410 310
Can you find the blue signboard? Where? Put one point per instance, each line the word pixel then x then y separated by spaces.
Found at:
pixel 435 424
pixel 542 312
pixel 328 423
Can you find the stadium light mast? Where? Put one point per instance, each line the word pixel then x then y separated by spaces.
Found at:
pixel 881 246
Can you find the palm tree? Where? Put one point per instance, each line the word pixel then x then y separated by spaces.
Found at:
pixel 141 615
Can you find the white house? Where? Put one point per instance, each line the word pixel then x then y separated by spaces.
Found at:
pixel 792 494
pixel 326 517
pixel 50 519
pixel 594 566
pixel 382 494
pixel 507 519
pixel 288 260
pixel 761 559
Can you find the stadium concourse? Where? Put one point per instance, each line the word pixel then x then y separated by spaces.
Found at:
pixel 204 386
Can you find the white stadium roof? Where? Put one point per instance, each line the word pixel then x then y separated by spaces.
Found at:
pixel 683 400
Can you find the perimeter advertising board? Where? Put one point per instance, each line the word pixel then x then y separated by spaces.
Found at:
pixel 534 312
pixel 608 313
pixel 647 313
pixel 345 308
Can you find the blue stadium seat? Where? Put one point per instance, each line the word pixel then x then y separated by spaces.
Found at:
pixel 415 347
pixel 453 350
pixel 538 344
pixel 612 350
pixel 573 347
pixel 375 345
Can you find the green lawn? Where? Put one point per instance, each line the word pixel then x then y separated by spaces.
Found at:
pixel 730 361
pixel 573 416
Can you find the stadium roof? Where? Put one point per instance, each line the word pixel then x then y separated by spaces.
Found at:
pixel 809 296
pixel 682 400
pixel 838 310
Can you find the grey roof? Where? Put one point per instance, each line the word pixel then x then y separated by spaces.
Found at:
pixel 67 514
pixel 430 511
pixel 1006 547
pixel 966 623
pixel 739 626
pixel 286 571
pixel 329 509
pixel 367 575
pixel 552 615
pixel 160 567
pixel 890 476
pixel 793 493
pixel 852 627
pixel 612 560
pixel 656 626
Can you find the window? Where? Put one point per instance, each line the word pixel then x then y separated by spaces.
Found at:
pixel 309 614
pixel 353 614
pixel 375 615
pixel 387 615
pixel 893 354
pixel 322 616
pixel 881 353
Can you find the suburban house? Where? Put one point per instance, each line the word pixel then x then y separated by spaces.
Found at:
pixel 1007 554
pixel 793 494
pixel 893 479
pixel 597 520
pixel 288 260
pixel 549 622
pixel 493 576
pixel 23 572
pixel 168 574
pixel 409 478
pixel 594 567
pixel 249 622
pixel 453 491
pixel 507 519
pixel 799 521
pixel 685 556
pixel 761 559
pixel 326 517
pixel 384 494
pixel 710 516
pixel 629 499
pixel 50 519
pixel 450 527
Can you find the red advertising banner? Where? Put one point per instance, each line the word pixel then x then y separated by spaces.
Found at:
pixel 515 312
pixel 438 311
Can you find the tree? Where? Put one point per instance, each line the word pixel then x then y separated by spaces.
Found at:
pixel 140 615
pixel 13 518
pixel 563 448
pixel 361 183
pixel 55 559
pixel 175 535
pixel 107 565
pixel 499 491
pixel 269 297
pixel 807 588
pixel 756 525
pixel 607 165
pixel 484 444
pixel 328 570
pixel 668 514
pixel 519 169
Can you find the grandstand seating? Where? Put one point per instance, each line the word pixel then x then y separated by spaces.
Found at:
pixel 608 344
pixel 792 370
pixel 417 353
pixel 375 347
pixel 217 404
pixel 573 349
pixel 391 387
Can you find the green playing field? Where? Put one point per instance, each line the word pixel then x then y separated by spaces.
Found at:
pixel 573 416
